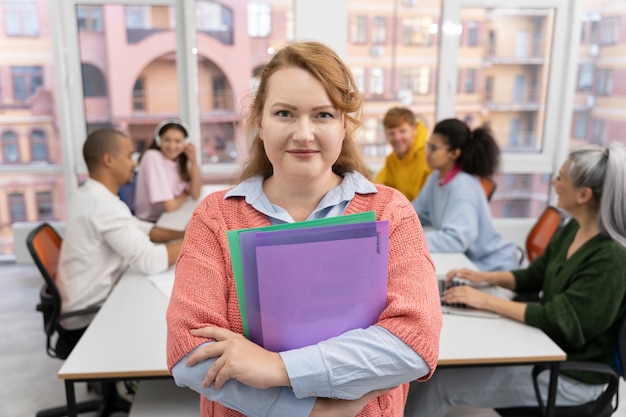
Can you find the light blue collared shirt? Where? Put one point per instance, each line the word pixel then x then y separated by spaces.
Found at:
pixel 333 204
pixel 346 367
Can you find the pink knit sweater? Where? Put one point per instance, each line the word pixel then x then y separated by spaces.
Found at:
pixel 204 290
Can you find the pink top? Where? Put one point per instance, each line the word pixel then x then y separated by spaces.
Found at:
pixel 158 180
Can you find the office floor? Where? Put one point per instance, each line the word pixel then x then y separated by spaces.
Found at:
pixel 28 376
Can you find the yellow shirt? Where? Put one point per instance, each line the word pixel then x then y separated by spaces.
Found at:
pixel 407 175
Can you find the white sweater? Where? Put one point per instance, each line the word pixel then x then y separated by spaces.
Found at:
pixel 102 239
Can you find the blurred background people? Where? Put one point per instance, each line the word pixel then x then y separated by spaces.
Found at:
pixel 405 167
pixel 168 172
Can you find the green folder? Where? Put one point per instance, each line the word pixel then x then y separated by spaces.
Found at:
pixel 235 248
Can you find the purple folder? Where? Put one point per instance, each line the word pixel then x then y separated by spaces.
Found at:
pixel 315 283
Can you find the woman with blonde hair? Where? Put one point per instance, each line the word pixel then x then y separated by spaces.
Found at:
pixel 304 165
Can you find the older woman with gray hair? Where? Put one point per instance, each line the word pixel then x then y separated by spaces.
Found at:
pixel 582 276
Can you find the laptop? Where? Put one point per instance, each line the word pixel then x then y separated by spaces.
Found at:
pixel 462 309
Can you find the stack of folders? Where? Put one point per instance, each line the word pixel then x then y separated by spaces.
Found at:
pixel 305 282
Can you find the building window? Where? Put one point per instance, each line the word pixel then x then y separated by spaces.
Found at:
pixel 489 88
pixel 377 81
pixel 583 31
pixel 585 77
pixel 580 125
pixel 491 43
pixel 470 80
pixel 416 80
pixel 472 33
pixel 94 84
pixel 89 18
pixel 17 207
pixel 359 79
pixel 139 95
pixel 138 17
pixel 594 32
pixel 597 132
pixel 38 145
pixel 515 130
pixel 610 30
pixel 219 93
pixel 417 32
pixel 44 205
pixel 26 81
pixel 379 30
pixel 20 18
pixel 10 150
pixel 604 82
pixel 259 20
pixel 358 29
pixel 216 21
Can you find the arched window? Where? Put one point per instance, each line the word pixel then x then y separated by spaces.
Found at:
pixel 94 84
pixel 38 145
pixel 10 150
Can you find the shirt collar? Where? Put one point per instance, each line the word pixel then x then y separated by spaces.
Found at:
pixel 252 190
pixel 449 176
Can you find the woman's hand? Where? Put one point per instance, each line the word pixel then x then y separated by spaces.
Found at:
pixel 238 358
pixel 467 295
pixel 472 276
pixel 326 407
pixel 190 151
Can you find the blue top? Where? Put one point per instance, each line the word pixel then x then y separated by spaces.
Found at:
pixel 459 214
pixel 338 356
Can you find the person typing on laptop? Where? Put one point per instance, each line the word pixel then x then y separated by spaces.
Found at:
pixel 582 277
pixel 102 238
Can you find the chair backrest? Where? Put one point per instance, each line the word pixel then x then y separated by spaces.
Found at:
pixel 489 186
pixel 127 193
pixel 548 223
pixel 44 245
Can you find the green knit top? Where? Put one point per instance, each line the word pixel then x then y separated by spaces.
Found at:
pixel 583 297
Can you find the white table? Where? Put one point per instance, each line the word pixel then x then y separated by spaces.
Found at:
pixel 178 219
pixel 444 262
pixel 127 340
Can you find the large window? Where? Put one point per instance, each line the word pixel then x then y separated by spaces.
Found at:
pixel 392 47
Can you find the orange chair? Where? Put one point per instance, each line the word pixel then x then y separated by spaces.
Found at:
pixel 548 223
pixel 44 245
pixel 489 185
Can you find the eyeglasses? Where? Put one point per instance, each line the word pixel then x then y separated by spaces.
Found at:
pixel 432 148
